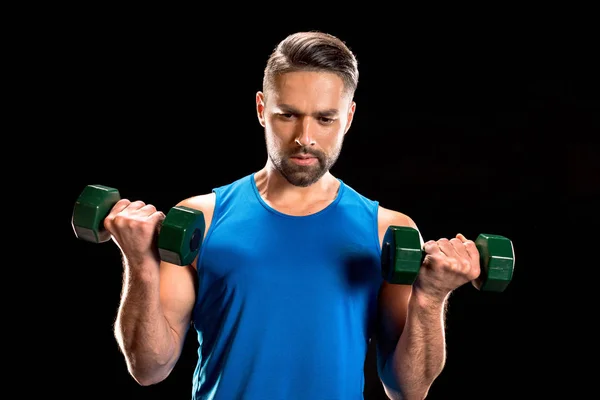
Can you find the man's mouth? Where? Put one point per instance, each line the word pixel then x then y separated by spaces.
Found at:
pixel 304 159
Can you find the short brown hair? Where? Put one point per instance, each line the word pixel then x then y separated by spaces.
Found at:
pixel 312 51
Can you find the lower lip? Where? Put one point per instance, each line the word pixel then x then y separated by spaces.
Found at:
pixel 304 161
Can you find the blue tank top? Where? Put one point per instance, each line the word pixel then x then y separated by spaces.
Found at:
pixel 286 304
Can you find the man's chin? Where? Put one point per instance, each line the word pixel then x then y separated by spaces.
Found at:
pixel 302 178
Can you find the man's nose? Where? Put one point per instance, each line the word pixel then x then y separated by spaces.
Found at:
pixel 305 136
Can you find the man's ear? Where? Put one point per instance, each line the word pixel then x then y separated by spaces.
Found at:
pixel 351 112
pixel 260 107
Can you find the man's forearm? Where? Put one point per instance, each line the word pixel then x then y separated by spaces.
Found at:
pixel 141 329
pixel 420 353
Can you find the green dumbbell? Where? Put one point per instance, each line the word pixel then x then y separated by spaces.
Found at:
pixel 180 234
pixel 402 256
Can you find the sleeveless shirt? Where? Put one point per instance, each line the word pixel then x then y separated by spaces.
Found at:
pixel 286 304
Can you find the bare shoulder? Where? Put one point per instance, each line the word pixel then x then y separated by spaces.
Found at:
pixel 388 217
pixel 203 202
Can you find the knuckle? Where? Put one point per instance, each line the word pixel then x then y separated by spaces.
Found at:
pixel 453 264
pixel 119 220
pixel 465 263
pixel 470 245
pixel 122 202
pixel 436 262
pixel 107 223
pixel 436 259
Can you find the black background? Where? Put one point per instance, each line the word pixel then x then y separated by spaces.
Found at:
pixel 464 130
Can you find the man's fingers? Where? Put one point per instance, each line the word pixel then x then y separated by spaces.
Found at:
pixel 118 207
pixel 146 210
pixel 470 247
pixel 431 247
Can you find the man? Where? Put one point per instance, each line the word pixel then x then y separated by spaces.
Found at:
pixel 286 292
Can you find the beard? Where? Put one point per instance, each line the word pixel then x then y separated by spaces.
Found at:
pixel 302 175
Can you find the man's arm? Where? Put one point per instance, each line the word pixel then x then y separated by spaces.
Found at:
pixel 155 310
pixel 153 318
pixel 410 337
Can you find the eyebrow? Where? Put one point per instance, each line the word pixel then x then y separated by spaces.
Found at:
pixel 330 112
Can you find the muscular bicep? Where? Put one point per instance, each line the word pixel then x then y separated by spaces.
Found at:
pixel 177 296
pixel 392 304
pixel 179 284
pixel 393 298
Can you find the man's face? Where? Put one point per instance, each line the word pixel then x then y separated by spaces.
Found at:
pixel 305 116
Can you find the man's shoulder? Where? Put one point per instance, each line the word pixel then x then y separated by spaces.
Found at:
pixel 206 201
pixel 199 201
pixel 388 217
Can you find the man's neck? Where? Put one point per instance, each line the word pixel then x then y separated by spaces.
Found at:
pixel 285 197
